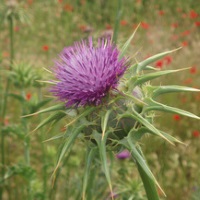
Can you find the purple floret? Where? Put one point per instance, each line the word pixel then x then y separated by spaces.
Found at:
pixel 86 72
pixel 123 154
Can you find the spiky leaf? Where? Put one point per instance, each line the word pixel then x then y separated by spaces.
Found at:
pixel 159 90
pixel 127 43
pixel 143 121
pixel 52 118
pixel 49 109
pixel 90 156
pixel 150 76
pixel 153 105
pixel 152 59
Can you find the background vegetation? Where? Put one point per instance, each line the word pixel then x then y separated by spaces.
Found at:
pixel 41 29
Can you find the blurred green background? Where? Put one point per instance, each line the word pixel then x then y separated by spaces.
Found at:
pixel 41 30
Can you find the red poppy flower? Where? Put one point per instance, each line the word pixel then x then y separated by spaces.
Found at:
pixel 30 2
pixel 68 8
pixel 144 25
pixel 183 99
pixel 60 1
pixel 184 43
pixel 45 47
pixel 196 134
pixel 197 23
pixel 167 59
pixel 161 12
pixel 85 28
pixel 6 121
pixel 197 97
pixel 174 37
pixel 193 14
pixel 193 70
pixel 5 54
pixel 28 96
pixel 185 33
pixel 159 64
pixel 176 117
pixel 174 25
pixel 184 15
pixel 16 28
pixel 188 81
pixel 82 27
pixel 123 22
pixel 108 27
pixel 179 10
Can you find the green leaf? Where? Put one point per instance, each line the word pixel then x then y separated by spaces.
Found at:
pixel 49 82
pixel 159 90
pixel 134 99
pixel 68 143
pixel 127 43
pixel 42 103
pixel 171 138
pixel 136 134
pixel 153 105
pixel 143 121
pixel 104 122
pixel 49 109
pixel 86 112
pixel 147 176
pixel 102 151
pixel 90 157
pixel 16 96
pixel 52 118
pixel 142 65
pixel 149 184
pixel 151 68
pixel 147 77
pixel 55 137
pixel 131 71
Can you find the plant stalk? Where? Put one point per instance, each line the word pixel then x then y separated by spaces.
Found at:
pixel 4 102
pixel 44 155
pixel 26 145
pixel 117 21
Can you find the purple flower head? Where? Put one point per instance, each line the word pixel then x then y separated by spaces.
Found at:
pixel 86 73
pixel 123 155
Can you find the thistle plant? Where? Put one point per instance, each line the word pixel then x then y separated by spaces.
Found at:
pixel 110 104
pixel 23 77
pixel 10 12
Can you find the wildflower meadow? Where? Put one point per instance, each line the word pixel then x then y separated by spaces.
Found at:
pixel 100 100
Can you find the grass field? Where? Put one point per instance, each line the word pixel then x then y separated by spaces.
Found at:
pixel 32 34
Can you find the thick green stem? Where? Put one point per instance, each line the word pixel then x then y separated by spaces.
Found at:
pixel 117 21
pixel 149 184
pixel 4 103
pixel 26 145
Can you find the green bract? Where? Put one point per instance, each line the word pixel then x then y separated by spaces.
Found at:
pixel 24 76
pixel 121 121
